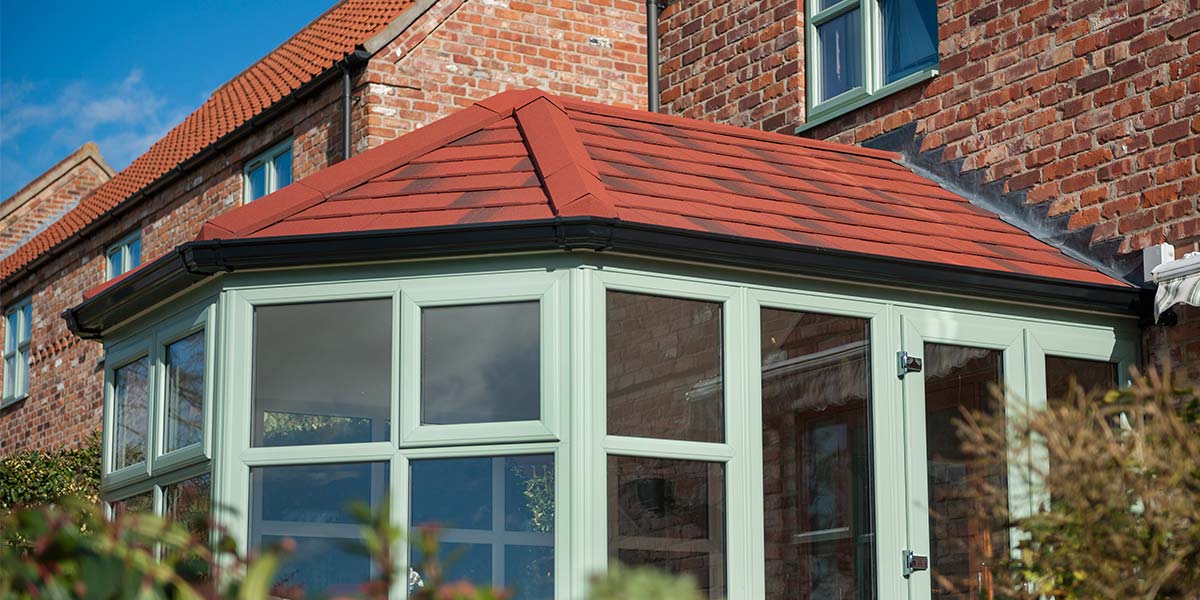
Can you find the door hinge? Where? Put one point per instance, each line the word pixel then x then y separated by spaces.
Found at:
pixel 907 364
pixel 913 562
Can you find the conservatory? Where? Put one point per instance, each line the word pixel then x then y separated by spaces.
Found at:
pixel 570 334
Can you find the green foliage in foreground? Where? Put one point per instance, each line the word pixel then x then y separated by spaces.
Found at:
pixel 1118 492
pixel 69 551
pixel 42 477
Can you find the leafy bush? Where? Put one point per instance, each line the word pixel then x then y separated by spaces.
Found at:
pixel 36 477
pixel 629 583
pixel 1118 497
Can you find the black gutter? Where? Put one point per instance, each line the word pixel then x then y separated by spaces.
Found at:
pixel 354 59
pixel 652 11
pixel 195 261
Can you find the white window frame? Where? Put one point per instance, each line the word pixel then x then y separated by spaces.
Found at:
pixel 874 85
pixel 266 160
pixel 17 321
pixel 119 257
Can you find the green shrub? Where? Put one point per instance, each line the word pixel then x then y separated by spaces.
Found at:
pixel 43 477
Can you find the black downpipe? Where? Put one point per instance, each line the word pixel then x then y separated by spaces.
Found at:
pixel 652 8
pixel 345 111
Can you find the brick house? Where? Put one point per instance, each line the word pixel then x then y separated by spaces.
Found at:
pixel 694 327
pixel 409 62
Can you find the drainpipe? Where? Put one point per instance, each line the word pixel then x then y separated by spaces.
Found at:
pixel 345 110
pixel 652 8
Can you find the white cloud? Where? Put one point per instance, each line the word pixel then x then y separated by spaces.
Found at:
pixel 39 126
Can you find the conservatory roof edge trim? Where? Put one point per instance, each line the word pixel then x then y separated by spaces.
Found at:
pixel 191 263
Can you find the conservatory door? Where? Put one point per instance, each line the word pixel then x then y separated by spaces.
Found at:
pixel 952 362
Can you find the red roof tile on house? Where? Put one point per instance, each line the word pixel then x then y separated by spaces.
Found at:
pixel 528 155
pixel 317 47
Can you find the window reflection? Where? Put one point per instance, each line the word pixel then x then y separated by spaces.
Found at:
pixel 309 504
pixel 130 384
pixel 185 392
pixel 481 363
pixel 670 515
pixel 962 540
pixel 1091 375
pixel 495 520
pixel 816 456
pixel 322 373
pixel 664 368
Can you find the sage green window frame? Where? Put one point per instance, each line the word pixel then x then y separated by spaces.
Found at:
pixel 151 343
pixel 17 320
pixel 572 290
pixel 874 84
pixel 266 160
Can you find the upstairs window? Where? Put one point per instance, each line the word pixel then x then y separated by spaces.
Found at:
pixel 860 50
pixel 268 172
pixel 124 255
pixel 17 328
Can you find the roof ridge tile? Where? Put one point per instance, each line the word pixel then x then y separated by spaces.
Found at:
pixel 571 178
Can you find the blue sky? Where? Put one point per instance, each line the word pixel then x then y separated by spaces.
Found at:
pixel 120 73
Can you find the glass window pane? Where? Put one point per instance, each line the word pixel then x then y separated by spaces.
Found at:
pixel 190 502
pixel 309 505
pixel 141 503
pixel 10 370
pixel 840 40
pixel 664 368
pixel 11 328
pixel 115 264
pixel 816 397
pixel 22 379
pixel 131 385
pixel 283 170
pixel 256 182
pixel 910 37
pixel 495 519
pixel 26 322
pixel 185 392
pixel 670 515
pixel 135 253
pixel 322 373
pixel 824 4
pixel 1092 375
pixel 962 540
pixel 481 363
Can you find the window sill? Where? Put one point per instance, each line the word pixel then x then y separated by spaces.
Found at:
pixel 7 402
pixel 836 107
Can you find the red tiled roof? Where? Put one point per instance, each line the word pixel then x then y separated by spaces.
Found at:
pixel 318 46
pixel 527 155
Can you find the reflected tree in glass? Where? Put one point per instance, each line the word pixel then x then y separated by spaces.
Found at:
pixel 131 417
pixel 185 392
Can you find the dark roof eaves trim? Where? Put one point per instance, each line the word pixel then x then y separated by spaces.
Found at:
pixel 353 59
pixel 195 261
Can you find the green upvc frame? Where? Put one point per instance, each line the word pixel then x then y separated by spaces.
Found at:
pixel 151 342
pixel 576 283
pixel 874 84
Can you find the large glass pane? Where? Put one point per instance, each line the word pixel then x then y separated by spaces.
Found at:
pixel 190 502
pixel 481 363
pixel 308 504
pixel 495 519
pixel 322 373
pixel 256 179
pixel 963 541
pixel 670 515
pixel 664 368
pixel 135 253
pixel 816 398
pixel 283 170
pixel 26 322
pixel 840 41
pixel 130 418
pixel 185 392
pixel 141 503
pixel 910 37
pixel 1092 375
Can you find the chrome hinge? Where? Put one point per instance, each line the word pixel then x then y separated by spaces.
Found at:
pixel 913 562
pixel 907 364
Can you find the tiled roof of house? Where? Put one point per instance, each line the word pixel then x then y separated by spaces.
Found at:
pixel 317 47
pixel 523 156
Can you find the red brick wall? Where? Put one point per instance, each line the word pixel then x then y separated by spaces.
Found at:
pixel 463 51
pixel 739 62
pixel 49 204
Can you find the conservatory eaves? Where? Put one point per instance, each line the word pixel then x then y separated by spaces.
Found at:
pixel 525 170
